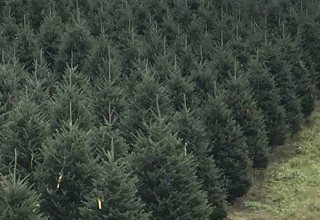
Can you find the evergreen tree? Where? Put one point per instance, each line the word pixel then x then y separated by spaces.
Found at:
pixel 74 47
pixel 167 175
pixel 193 134
pixel 26 47
pixel 301 74
pixel 12 79
pixel 204 78
pixel 143 102
pixel 268 99
pixel 40 84
pixel 281 72
pixel 114 195
pixel 25 131
pixel 18 200
pixel 103 136
pixel 229 147
pixel 239 99
pixel 66 173
pixel 49 37
pixel 73 96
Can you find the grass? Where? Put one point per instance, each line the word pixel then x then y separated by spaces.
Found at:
pixel 290 187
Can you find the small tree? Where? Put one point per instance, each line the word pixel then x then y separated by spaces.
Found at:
pixel 114 195
pixel 167 175
pixel 73 99
pixel 18 200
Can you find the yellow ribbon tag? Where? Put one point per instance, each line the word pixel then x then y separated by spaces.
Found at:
pixel 99 204
pixel 185 150
pixel 59 180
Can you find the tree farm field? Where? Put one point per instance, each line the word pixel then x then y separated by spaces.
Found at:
pixel 290 186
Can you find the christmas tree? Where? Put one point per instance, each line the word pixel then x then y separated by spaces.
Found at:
pixel 66 173
pixel 167 175
pixel 114 195
pixel 229 147
pixel 244 109
pixel 18 200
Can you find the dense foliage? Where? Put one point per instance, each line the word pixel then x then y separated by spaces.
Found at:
pixel 148 109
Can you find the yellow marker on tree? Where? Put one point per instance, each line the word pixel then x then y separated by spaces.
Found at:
pixel 59 180
pixel 185 149
pixel 99 204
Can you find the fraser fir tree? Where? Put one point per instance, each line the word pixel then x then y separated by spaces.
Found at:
pixel 72 94
pixel 114 195
pixel 281 72
pixel 229 147
pixel 204 78
pixel 103 136
pixel 268 99
pixel 74 47
pixel 18 200
pixel 26 47
pixel 12 79
pixel 193 134
pixel 239 99
pixel 66 173
pixel 167 175
pixel 143 102
pixel 25 131
pixel 49 37
pixel 40 84
pixel 301 73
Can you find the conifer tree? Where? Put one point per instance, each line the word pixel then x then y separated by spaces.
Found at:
pixel 24 131
pixel 101 138
pixel 143 102
pixel 192 132
pixel 18 200
pixel 115 195
pixel 167 175
pixel 12 79
pixel 178 86
pixel 301 73
pixel 66 173
pixel 281 72
pixel 268 99
pixel 229 147
pixel 75 45
pixel 26 47
pixel 40 84
pixel 73 95
pixel 204 78
pixel 244 109
pixel 105 73
pixel 49 37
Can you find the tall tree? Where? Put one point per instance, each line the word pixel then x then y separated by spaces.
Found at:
pixel 281 71
pixel 268 99
pixel 245 111
pixel 229 147
pixel 192 132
